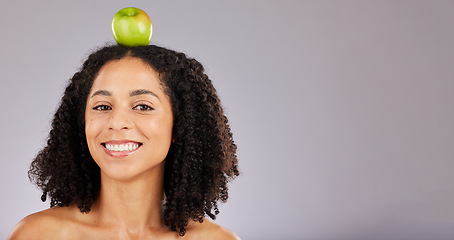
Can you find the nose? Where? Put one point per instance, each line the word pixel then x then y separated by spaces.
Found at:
pixel 120 120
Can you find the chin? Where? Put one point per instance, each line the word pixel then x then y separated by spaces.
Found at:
pixel 126 172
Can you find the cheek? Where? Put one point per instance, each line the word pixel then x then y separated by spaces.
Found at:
pixel 157 130
pixel 166 126
pixel 93 126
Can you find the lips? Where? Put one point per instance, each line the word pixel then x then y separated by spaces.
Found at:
pixel 121 148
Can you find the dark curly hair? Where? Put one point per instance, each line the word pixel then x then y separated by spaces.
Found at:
pixel 201 159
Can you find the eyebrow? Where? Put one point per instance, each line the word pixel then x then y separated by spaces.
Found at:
pixel 132 94
pixel 142 92
pixel 101 92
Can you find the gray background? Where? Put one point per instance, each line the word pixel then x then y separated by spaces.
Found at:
pixel 342 110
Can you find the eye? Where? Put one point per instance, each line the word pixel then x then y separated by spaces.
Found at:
pixel 143 107
pixel 102 107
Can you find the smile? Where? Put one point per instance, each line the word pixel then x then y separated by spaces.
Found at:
pixel 121 148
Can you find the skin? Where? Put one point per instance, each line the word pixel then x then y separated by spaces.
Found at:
pixel 126 104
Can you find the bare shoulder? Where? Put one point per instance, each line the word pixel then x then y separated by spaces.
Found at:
pixel 41 225
pixel 210 230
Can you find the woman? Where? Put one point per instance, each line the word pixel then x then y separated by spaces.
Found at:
pixel 139 148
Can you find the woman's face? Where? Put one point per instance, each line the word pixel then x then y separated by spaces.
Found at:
pixel 128 120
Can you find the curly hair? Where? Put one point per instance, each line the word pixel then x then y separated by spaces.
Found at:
pixel 201 159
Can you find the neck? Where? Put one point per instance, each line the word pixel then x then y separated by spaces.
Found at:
pixel 134 204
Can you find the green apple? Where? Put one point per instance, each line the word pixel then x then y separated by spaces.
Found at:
pixel 132 27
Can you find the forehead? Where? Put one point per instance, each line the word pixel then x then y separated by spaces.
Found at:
pixel 125 74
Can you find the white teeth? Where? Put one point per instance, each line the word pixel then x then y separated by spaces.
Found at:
pixel 122 147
